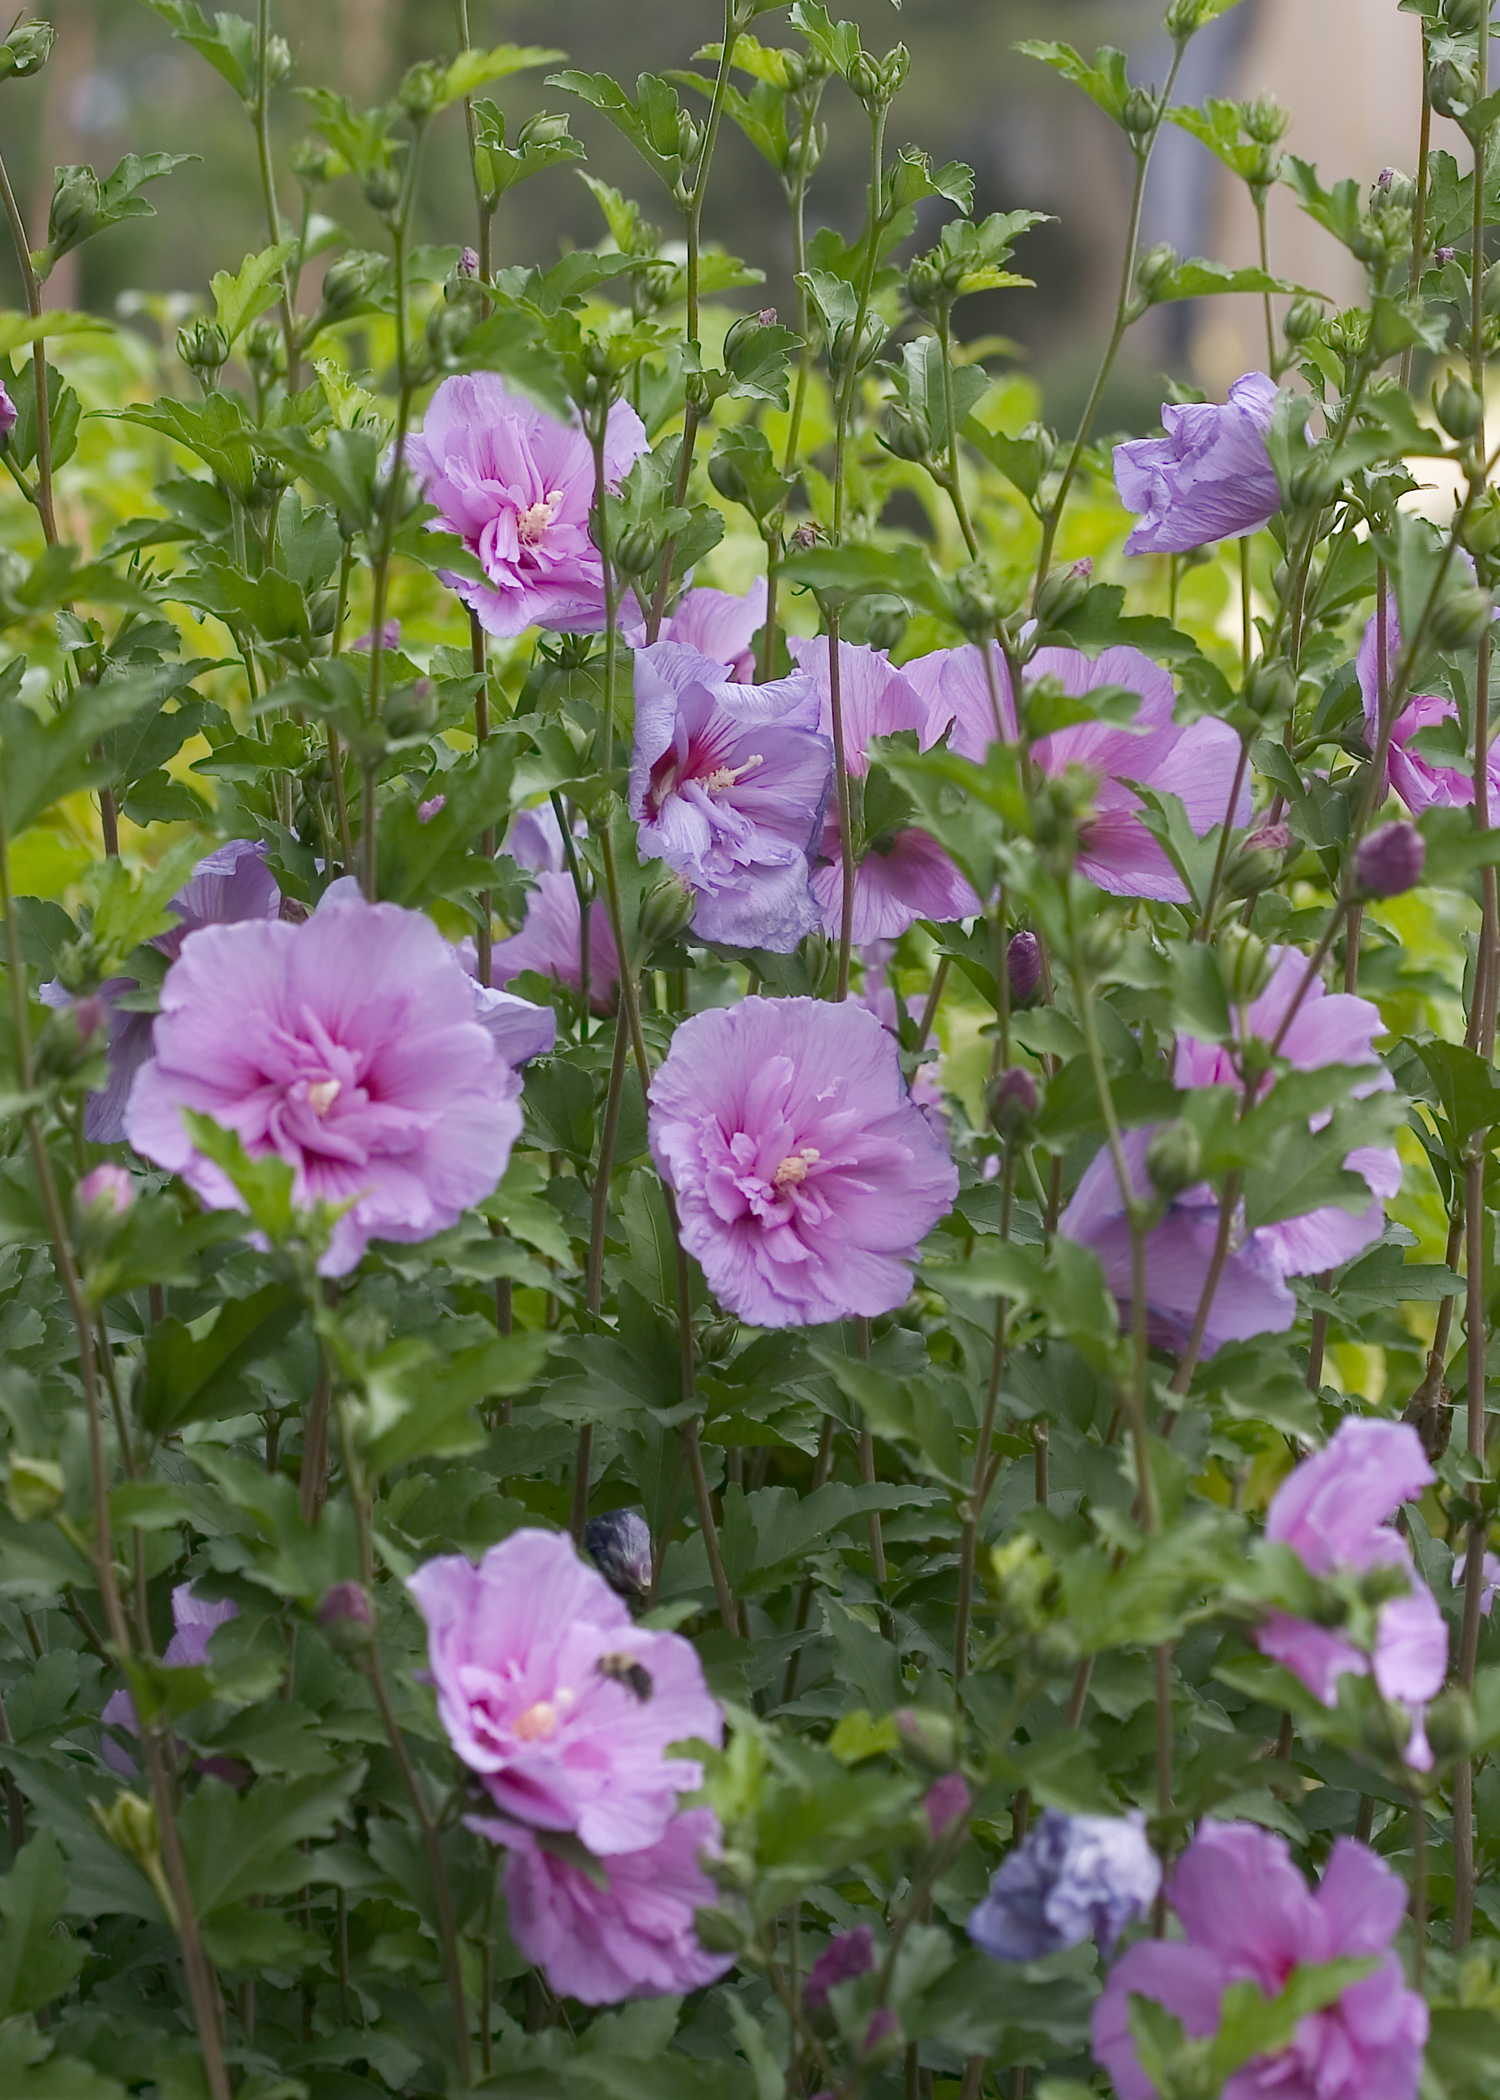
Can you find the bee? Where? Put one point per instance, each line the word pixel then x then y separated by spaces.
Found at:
pixel 624 1669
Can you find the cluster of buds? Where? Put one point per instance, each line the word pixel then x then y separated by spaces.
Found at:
pixel 878 81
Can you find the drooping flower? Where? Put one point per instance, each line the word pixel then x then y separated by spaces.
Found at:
pixel 1327 1028
pixel 232 884
pixel 1250 1917
pixel 1252 1295
pixel 805 1177
pixel 1197 763
pixel 516 486
pixel 195 1620
pixel 1420 782
pixel 1072 1878
pixel 632 1938
pixel 714 623
pixel 847 1955
pixel 549 943
pixel 349 1047
pixel 728 784
pixel 1210 477
pixel 555 1699
pixel 619 1542
pixel 1334 1511
pixel 902 874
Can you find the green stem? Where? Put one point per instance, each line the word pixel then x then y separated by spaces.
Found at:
pixel 846 817
pixel 33 286
pixel 262 119
pixel 844 404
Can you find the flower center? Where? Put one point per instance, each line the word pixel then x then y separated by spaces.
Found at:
pixel 322 1094
pixel 793 1168
pixel 725 776
pixel 532 523
pixel 538 1724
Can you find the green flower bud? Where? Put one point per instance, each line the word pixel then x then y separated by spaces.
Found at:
pixel 1315 484
pixel 719 1931
pixel 26 50
pixel 34 1489
pixel 1481 531
pixel 1368 242
pixel 666 910
pixel 1141 113
pixel 1097 948
pixel 1386 1731
pixel 1154 265
pixel 542 130
pixel 794 71
pixel 689 136
pixel 1264 119
pixel 1063 592
pixel 1451 95
pixel 1489 291
pixel 1460 409
pixel 130 1824
pixel 713 1341
pixel 350 280
pixel 1463 17
pixel 872 335
pixel 265 348
pixel 1174 1159
pixel 1012 1104
pixel 1304 317
pixel 75 205
pixel 314 163
pixel 1244 964
pixel 893 73
pixel 1451 1723
pixel 411 710
pixel 1462 617
pixel 638 549
pixel 278 60
pixel 725 474
pixel 885 623
pixel 383 187
pixel 865 79
pixel 420 90
pixel 908 433
pixel 976 611
pixel 1259 861
pixel 933 1736
pixel 203 346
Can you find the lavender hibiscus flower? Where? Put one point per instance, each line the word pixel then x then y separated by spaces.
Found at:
pixel 1249 1917
pixel 232 884
pixel 1420 782
pixel 1327 1028
pixel 349 1047
pixel 715 623
pixel 194 1622
pixel 728 784
pixel 1334 1510
pixel 549 943
pixel 1197 763
pixel 516 486
pixel 805 1177
pixel 632 1937
pixel 1073 1878
pixel 902 875
pixel 533 1657
pixel 1209 478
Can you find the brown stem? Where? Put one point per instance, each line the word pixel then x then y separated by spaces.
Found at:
pixel 479 659
pixel 846 830
pixel 314 1482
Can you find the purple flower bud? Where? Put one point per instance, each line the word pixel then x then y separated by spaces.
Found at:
pixel 851 1954
pixel 767 317
pixel 1013 1101
pixel 8 414
pixel 1023 963
pixel 805 536
pixel 1390 860
pixel 1073 1878
pixel 426 811
pixel 107 1189
pixel 1443 256
pixel 946 1802
pixel 468 263
pixel 883 2024
pixel 346 1617
pixel 90 1014
pixel 390 637
pixel 1385 178
pixel 1269 838
pixel 620 1544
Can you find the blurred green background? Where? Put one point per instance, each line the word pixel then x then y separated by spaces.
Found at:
pixel 118 82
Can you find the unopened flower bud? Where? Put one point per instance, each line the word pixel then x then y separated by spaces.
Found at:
pixel 1061 594
pixel 1462 617
pixel 34 1489
pixel 265 347
pixel 278 60
pixel 412 710
pixel 346 1617
pixel 542 130
pixel 1264 119
pixel 1450 94
pixel 1443 256
pixel 1460 409
pixel 26 50
pixel 1141 112
pixel 976 608
pixel 432 807
pixel 1023 964
pixel 420 90
pixel 1316 483
pixel 203 346
pixel 1174 1159
pixel 71 1035
pixel 1271 688
pixel 883 2035
pixel 383 187
pixel 1013 1103
pixel 933 1736
pixel 10 415
pixel 946 1803
pixel 75 206
pixel 106 1192
pixel 620 1544
pixel 908 433
pixel 638 549
pixel 1390 861
pixel 350 280
pixel 1463 17
pixel 843 348
pixel 667 908
pixel 1303 319
pixel 1451 1724
pixel 1259 861
pixel 1097 947
pixel 1154 266
pixel 130 1824
pixel 314 163
pixel 864 77
pixel 1244 964
pixel 885 623
pixel 468 262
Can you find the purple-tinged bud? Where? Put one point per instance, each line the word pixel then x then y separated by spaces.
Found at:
pixel 883 2028
pixel 946 1803
pixel 468 263
pixel 805 537
pixel 426 811
pixel 1012 1102
pixel 106 1192
pixel 8 414
pixel 90 1014
pixel 1390 861
pixel 1259 861
pixel 1023 964
pixel 1385 178
pixel 346 1617
pixel 1443 256
pixel 390 637
pixel 1174 1159
pixel 848 1955
pixel 620 1544
pixel 931 1735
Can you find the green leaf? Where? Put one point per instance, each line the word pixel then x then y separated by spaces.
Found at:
pixel 1200 279
pixel 249 1844
pixel 229 46
pixel 238 299
pixel 44 757
pixel 651 125
pixel 37 1963
pixel 475 69
pixel 201 1378
pixel 1251 2025
pixel 29 2070
pixel 1104 82
pixel 427 1407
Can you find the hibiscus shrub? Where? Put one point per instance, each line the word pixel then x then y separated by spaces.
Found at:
pixel 737 1248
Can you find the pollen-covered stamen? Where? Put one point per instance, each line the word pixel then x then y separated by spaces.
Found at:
pixel 538 1724
pixel 725 776
pixel 322 1094
pixel 793 1168
pixel 532 523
